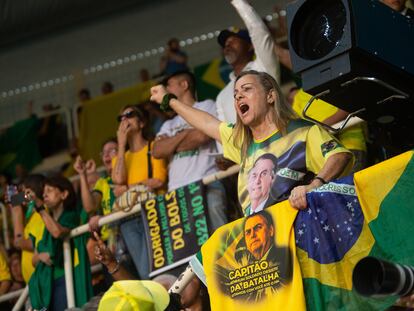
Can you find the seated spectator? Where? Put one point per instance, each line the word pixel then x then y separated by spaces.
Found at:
pixel 84 95
pixel 107 88
pixel 16 271
pixel 27 223
pixel 102 197
pixel 174 58
pixel 47 288
pixel 136 167
pixel 144 75
pixel 190 150
pixel 5 277
pixel 307 155
pixel 399 6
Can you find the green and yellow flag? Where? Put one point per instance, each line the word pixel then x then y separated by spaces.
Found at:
pixel 348 220
pixel 367 214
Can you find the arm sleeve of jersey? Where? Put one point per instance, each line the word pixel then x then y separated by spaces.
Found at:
pixel 263 43
pixel 320 145
pixel 229 150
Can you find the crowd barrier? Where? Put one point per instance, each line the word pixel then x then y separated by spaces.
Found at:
pixel 109 219
pixel 177 287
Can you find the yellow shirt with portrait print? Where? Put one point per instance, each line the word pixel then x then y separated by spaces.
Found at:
pixel 300 155
pixel 34 228
pixel 239 282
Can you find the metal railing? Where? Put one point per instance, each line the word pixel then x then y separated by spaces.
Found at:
pixel 112 218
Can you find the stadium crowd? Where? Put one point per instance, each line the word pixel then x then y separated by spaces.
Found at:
pixel 156 150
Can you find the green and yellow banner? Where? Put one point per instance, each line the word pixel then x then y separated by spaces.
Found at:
pixel 176 225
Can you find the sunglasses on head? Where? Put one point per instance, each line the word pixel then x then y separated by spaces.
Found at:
pixel 127 115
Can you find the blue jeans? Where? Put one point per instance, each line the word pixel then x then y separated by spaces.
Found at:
pixel 133 233
pixel 58 301
pixel 217 205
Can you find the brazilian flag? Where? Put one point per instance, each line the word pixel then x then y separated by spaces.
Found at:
pixel 211 78
pixel 368 215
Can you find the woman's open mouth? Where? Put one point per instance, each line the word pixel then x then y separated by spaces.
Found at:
pixel 244 108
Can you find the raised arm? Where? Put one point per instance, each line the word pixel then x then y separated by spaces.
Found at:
pixel 200 120
pixel 262 40
pixel 90 201
pixel 119 172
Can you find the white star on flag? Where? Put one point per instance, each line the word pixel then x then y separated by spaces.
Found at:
pixel 326 228
pixel 316 240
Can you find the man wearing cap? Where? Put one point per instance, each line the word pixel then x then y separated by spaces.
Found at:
pixel 239 48
pixel 189 150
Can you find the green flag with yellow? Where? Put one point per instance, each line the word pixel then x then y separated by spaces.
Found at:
pixel 367 214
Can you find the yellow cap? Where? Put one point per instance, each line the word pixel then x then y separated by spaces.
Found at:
pixel 135 295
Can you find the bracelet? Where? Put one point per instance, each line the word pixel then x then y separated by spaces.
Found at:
pixel 165 104
pixel 323 181
pixel 116 267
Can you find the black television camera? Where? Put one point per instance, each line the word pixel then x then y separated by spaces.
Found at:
pixel 376 277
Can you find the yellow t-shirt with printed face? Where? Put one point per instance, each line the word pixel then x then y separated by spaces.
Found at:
pixel 352 138
pixel 137 166
pixel 277 164
pixel 34 227
pixel 255 271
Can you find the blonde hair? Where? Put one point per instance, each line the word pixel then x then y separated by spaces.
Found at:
pixel 282 112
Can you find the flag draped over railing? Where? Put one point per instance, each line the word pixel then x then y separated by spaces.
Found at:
pixel 368 214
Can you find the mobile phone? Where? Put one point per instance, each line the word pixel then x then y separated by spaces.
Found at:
pixel 11 190
pixel 18 199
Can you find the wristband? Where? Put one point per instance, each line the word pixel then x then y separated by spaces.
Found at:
pixel 116 267
pixel 323 181
pixel 165 104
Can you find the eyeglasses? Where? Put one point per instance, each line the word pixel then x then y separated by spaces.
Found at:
pixel 128 115
pixel 110 152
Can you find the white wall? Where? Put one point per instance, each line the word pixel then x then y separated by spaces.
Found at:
pixel 70 51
